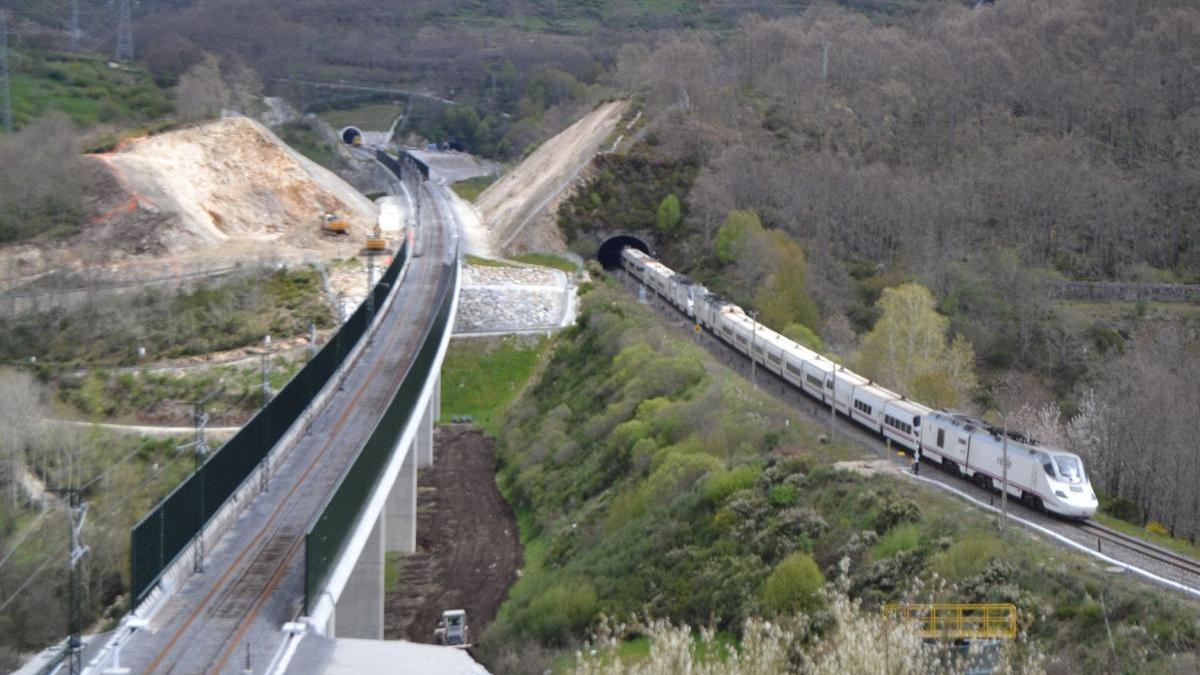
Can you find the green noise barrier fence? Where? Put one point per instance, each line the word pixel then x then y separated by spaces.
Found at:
pixel 162 535
pixel 325 539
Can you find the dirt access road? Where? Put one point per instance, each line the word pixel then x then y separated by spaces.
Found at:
pixel 468 552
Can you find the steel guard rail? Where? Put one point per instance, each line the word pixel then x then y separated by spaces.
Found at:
pixel 327 536
pixel 161 536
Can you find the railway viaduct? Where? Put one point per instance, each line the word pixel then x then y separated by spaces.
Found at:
pixel 282 532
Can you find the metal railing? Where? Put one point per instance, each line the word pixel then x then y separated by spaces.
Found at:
pixel 328 535
pixel 162 535
pixel 958 621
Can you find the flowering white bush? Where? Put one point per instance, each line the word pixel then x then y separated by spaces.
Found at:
pixel 852 640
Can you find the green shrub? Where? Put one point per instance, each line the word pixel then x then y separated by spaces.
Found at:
pixel 896 511
pixel 562 612
pixel 1120 508
pixel 718 485
pixel 900 538
pixel 782 495
pixel 794 585
pixel 968 556
pixel 677 474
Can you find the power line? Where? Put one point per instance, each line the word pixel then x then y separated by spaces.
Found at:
pixel 124 31
pixel 111 467
pixel 42 568
pixel 5 91
pixel 73 27
pixel 77 512
pixel 21 540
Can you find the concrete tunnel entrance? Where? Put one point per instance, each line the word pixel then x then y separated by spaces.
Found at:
pixel 609 253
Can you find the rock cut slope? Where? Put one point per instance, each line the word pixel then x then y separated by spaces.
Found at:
pixel 207 196
pixel 517 210
pixel 232 180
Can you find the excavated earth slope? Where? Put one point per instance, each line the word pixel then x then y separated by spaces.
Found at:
pixel 518 209
pixel 208 196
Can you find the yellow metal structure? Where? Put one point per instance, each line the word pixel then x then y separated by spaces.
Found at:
pixel 376 244
pixel 953 621
pixel 335 224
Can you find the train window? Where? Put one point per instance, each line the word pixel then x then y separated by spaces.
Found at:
pixel 1069 468
pixel 813 380
pixel 862 406
pixel 774 359
pixel 829 384
pixel 916 422
pixel 793 370
pixel 941 438
pixel 1049 468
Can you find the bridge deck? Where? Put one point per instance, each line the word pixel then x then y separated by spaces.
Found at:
pixel 254 578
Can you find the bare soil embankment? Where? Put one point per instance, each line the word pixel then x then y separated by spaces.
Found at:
pixel 468 550
pixel 190 200
pixel 518 210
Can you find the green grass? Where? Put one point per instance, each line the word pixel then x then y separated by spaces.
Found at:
pixel 235 390
pixel 1181 546
pixel 487 262
pixel 391 571
pixel 368 117
pixel 471 188
pixel 548 260
pixel 481 377
pixel 302 138
pixel 233 313
pixel 84 88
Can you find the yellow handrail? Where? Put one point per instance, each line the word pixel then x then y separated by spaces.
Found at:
pixel 958 621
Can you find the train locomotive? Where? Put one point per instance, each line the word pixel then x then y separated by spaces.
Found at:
pixel 1042 477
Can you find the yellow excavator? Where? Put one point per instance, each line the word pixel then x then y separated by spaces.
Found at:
pixel 333 223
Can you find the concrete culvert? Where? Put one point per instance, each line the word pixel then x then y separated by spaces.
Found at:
pixel 352 136
pixel 609 253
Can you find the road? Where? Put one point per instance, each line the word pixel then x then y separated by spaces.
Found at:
pixel 253 581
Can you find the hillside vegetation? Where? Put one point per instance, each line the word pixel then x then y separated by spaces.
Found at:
pixel 215 317
pixel 980 153
pixel 120 476
pixel 648 478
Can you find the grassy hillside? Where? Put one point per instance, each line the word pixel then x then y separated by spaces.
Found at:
pixel 85 88
pixel 647 477
pixel 232 313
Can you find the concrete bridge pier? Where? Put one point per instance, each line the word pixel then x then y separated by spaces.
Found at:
pixel 424 440
pixel 359 612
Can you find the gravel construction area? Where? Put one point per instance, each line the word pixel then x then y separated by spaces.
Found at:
pixel 819 414
pixel 513 299
pixel 468 551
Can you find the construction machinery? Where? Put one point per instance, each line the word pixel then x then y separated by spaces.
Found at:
pixel 333 223
pixel 376 244
pixel 451 630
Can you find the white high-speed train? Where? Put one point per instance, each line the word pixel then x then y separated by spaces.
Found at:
pixel 1040 476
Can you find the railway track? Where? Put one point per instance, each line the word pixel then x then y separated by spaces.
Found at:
pixel 1116 540
pixel 1126 549
pixel 236 608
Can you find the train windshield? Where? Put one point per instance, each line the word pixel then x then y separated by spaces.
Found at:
pixel 1069 468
